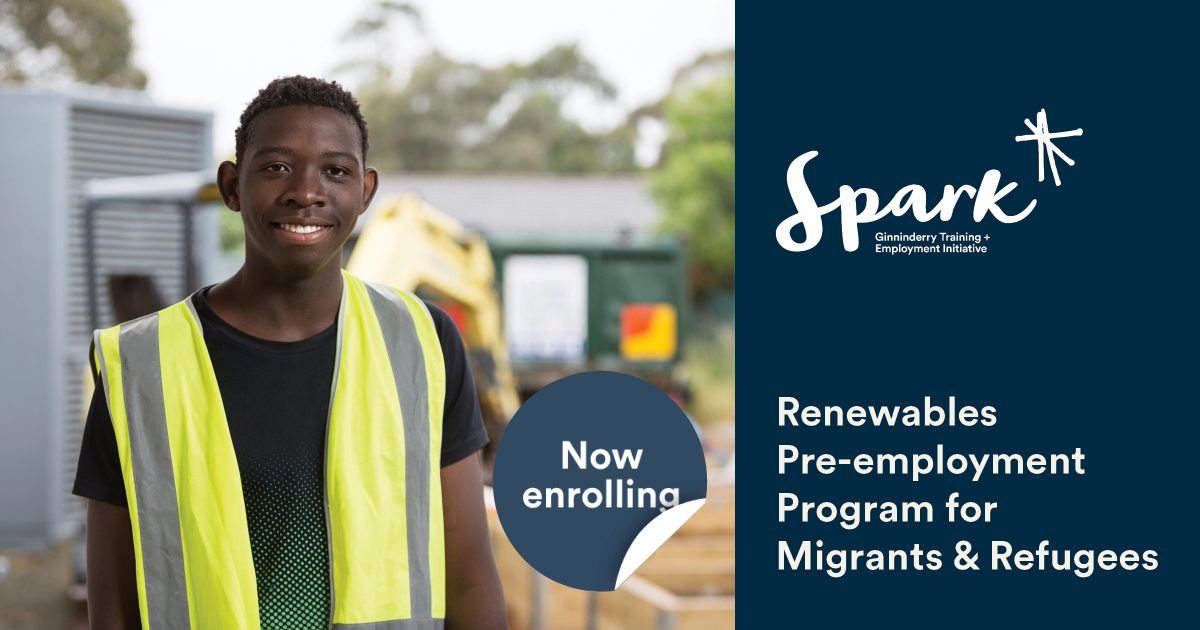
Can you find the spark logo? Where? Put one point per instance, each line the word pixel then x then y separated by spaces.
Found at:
pixel 857 206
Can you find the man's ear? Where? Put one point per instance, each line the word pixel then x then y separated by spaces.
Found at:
pixel 227 183
pixel 370 185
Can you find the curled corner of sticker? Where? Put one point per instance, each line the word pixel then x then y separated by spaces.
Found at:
pixel 653 535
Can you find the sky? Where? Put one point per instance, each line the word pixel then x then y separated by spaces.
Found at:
pixel 216 55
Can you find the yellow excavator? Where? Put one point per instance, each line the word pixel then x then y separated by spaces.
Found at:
pixel 411 245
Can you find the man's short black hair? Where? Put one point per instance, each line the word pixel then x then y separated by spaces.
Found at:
pixel 298 90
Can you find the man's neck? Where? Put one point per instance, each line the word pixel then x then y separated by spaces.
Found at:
pixel 269 305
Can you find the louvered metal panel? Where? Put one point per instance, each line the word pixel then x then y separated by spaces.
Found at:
pixel 144 240
pixel 51 143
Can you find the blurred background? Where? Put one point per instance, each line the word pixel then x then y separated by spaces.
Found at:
pixel 558 176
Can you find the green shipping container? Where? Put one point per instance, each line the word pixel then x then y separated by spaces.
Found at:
pixel 572 304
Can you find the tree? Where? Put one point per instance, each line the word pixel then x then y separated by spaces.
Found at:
pixel 450 115
pixel 694 181
pixel 381 28
pixel 706 67
pixel 458 116
pixel 81 40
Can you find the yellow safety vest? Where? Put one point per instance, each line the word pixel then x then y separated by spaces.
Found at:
pixel 383 504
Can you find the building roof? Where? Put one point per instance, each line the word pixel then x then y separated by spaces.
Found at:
pixel 185 187
pixel 533 204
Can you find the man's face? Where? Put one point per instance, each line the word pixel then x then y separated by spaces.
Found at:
pixel 300 187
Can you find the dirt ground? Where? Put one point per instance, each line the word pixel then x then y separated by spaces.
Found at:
pixel 33 590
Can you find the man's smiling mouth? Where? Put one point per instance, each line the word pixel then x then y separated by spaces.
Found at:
pixel 301 229
pixel 301 232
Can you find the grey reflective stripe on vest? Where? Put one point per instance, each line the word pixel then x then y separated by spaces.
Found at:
pixel 412 386
pixel 337 367
pixel 153 475
pixel 399 624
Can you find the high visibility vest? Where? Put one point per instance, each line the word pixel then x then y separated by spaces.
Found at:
pixel 383 503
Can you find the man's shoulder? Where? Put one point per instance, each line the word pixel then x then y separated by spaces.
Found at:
pixel 148 316
pixel 443 322
pixel 434 311
pixel 439 315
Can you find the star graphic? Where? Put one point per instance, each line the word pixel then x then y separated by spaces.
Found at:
pixel 1046 146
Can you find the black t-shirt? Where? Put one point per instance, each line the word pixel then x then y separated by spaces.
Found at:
pixel 276 397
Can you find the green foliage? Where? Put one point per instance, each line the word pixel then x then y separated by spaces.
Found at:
pixel 708 370
pixel 83 40
pixel 457 116
pixel 233 233
pixel 695 182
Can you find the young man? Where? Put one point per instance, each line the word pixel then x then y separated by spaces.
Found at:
pixel 266 453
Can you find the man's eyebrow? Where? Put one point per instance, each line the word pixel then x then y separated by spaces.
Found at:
pixel 341 154
pixel 266 150
pixel 288 152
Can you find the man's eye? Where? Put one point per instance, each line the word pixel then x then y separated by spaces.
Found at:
pixel 275 167
pixel 338 171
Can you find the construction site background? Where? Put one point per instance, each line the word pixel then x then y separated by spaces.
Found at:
pixel 631 221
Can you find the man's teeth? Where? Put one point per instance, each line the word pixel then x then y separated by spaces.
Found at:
pixel 302 229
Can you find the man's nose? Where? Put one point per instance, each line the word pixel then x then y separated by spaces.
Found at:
pixel 306 189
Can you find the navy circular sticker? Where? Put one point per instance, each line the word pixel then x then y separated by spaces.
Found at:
pixel 593 474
